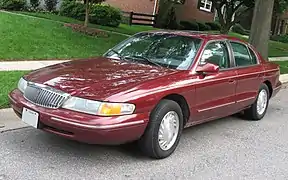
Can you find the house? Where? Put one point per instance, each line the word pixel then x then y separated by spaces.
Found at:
pixel 280 24
pixel 200 10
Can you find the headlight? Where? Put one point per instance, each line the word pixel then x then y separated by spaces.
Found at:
pixel 98 108
pixel 22 84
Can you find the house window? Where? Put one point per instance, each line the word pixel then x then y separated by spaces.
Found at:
pixel 206 5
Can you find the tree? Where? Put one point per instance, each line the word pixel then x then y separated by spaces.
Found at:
pixel 261 26
pixel 165 7
pixel 88 3
pixel 230 12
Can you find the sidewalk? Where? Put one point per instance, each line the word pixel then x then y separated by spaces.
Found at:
pixel 278 59
pixel 13 123
pixel 26 65
pixel 32 65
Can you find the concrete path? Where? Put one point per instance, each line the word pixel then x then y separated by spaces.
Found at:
pixel 26 65
pixel 32 65
pixel 9 121
pixel 278 59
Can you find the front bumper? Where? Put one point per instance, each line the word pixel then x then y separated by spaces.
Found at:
pixel 84 127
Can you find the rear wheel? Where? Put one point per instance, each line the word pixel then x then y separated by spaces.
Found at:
pixel 164 130
pixel 259 108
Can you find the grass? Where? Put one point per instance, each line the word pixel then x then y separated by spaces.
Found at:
pixel 123 28
pixel 9 81
pixel 283 66
pixel 30 38
pixel 276 49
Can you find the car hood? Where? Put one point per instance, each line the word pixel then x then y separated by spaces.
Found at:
pixel 96 78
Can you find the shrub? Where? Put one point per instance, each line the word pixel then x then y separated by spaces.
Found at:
pixel 237 28
pixel 214 26
pixel 189 25
pixel 203 27
pixel 14 5
pixel 73 9
pixel 280 38
pixel 99 14
pixel 105 15
pixel 50 5
pixel 34 4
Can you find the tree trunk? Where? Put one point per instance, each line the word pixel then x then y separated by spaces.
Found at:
pixel 261 26
pixel 164 8
pixel 86 13
pixel 225 29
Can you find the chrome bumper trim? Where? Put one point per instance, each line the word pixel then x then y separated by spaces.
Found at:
pixel 98 126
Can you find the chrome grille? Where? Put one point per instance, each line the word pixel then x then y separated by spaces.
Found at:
pixel 44 96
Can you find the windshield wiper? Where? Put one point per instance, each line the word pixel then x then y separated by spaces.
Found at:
pixel 118 54
pixel 143 58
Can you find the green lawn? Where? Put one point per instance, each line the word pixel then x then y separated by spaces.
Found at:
pixel 283 66
pixel 29 38
pixel 9 81
pixel 276 49
pixel 123 28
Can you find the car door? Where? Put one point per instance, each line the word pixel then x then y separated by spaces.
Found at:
pixel 215 93
pixel 249 73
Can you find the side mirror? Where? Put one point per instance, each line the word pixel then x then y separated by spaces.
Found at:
pixel 208 68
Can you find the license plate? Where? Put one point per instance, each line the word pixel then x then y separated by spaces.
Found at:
pixel 30 117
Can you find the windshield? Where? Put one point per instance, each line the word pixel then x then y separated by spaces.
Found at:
pixel 166 50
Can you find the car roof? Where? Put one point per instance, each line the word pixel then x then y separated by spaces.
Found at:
pixel 198 34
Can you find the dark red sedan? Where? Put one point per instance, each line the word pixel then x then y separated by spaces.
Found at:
pixel 148 88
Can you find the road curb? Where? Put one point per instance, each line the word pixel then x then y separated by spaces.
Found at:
pixel 9 121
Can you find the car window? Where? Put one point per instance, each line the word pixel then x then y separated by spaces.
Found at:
pixel 216 53
pixel 254 57
pixel 241 55
pixel 168 50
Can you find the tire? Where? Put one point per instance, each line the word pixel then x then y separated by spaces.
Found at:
pixel 149 143
pixel 252 113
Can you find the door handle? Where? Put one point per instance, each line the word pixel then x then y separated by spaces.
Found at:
pixel 232 81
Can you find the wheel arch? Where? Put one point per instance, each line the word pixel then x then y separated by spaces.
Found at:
pixel 182 103
pixel 269 85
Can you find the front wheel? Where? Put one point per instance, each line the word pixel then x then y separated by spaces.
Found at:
pixel 164 130
pixel 259 108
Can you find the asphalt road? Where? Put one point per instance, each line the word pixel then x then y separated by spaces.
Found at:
pixel 228 148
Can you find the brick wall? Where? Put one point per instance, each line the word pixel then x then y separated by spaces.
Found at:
pixel 139 6
pixel 188 11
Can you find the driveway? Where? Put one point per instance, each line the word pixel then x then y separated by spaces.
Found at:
pixel 228 148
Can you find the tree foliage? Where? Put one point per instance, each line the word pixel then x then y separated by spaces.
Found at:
pixel 238 8
pixel 231 11
pixel 280 6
